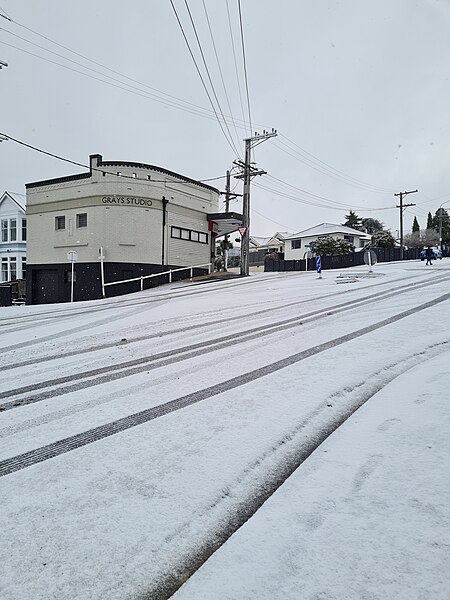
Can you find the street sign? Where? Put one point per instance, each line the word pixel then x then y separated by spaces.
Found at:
pixel 370 257
pixel 72 256
pixel 242 230
pixel 318 265
pixel 307 245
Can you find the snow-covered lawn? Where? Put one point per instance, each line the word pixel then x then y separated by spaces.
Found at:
pixel 191 404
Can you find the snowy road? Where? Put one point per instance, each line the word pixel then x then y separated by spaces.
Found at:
pixel 138 433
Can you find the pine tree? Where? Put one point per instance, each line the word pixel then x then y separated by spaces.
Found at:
pixel 353 221
pixel 371 225
pixel 430 221
pixel 415 226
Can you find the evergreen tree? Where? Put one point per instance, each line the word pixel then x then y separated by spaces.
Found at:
pixel 445 223
pixel 328 246
pixel 371 225
pixel 415 226
pixel 430 221
pixel 353 221
pixel 383 239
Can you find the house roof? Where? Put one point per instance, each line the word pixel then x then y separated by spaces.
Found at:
pixel 329 229
pixel 263 241
pixel 19 199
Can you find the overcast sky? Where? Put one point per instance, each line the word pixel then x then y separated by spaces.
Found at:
pixel 358 90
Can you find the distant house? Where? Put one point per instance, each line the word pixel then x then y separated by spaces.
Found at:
pixel 13 226
pixel 260 246
pixel 295 246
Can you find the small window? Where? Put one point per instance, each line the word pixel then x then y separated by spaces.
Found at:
pixel 119 174
pixel 13 230
pixel 60 223
pixel 24 230
pixel 4 269
pixel 194 236
pixel 149 177
pixel 4 231
pixel 203 238
pixel 349 238
pixel 82 220
pixel 24 267
pixel 133 175
pixel 296 244
pixel 13 269
pixel 176 232
pixel 185 234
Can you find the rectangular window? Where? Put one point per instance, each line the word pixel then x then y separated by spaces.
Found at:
pixel 4 269
pixel 4 230
pixel 185 234
pixel 348 238
pixel 296 244
pixel 60 223
pixel 24 230
pixel 13 269
pixel 82 220
pixel 176 232
pixel 24 267
pixel 203 238
pixel 13 230
pixel 194 236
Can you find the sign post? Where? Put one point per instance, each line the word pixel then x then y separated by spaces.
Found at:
pixel 370 258
pixel 319 266
pixel 306 256
pixel 72 257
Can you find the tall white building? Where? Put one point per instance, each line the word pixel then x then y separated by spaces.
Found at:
pixel 142 219
pixel 13 240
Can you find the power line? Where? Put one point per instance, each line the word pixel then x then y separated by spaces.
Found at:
pixel 220 68
pixel 78 164
pixel 205 64
pixel 318 197
pixel 318 201
pixel 245 68
pixel 316 163
pixel 271 220
pixel 230 143
pixel 156 94
pixel 235 63
pixel 141 93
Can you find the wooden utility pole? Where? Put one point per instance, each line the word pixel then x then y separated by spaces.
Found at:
pixel 402 207
pixel 227 209
pixel 247 172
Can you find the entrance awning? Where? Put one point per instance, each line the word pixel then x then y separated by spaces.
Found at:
pixel 223 223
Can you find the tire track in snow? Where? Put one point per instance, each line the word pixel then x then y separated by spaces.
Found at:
pixel 241 499
pixel 102 375
pixel 159 299
pixel 79 440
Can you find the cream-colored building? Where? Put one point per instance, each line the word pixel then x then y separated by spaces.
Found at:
pixel 142 219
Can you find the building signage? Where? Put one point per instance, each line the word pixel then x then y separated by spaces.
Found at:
pixel 126 201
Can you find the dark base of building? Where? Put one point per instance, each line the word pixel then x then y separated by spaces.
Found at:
pixel 48 284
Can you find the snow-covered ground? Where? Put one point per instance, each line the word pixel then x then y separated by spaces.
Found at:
pixel 140 435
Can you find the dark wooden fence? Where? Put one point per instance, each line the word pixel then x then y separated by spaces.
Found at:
pixel 340 262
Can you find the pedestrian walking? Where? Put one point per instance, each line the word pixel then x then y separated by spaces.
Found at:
pixel 429 255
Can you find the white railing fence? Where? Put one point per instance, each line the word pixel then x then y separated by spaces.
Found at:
pixel 142 277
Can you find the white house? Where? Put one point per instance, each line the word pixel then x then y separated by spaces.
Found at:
pixel 124 220
pixel 13 227
pixel 296 246
pixel 273 243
